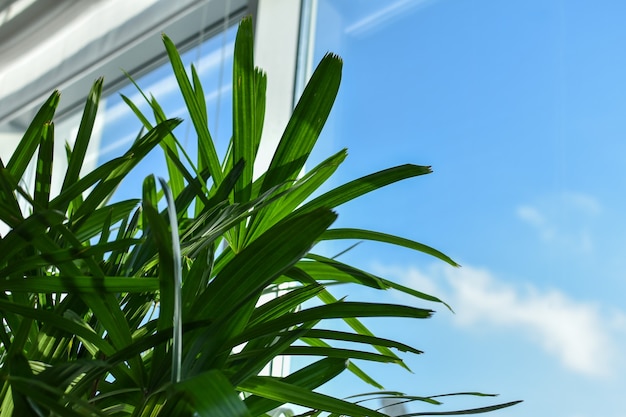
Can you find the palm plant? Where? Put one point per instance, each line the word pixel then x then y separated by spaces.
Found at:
pixel 137 307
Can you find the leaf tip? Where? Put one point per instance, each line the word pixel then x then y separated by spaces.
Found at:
pixel 333 56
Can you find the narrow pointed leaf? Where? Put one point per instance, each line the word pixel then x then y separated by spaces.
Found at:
pixel 207 155
pixel 359 338
pixel 326 269
pixel 62 323
pixel 298 193
pixel 284 304
pixel 333 311
pixel 43 175
pixel 274 389
pixel 359 327
pixel 159 236
pixel 346 233
pixel 10 212
pixel 210 394
pixel 464 412
pixel 134 155
pixel 80 284
pixel 364 185
pixel 310 377
pixel 116 211
pixel 83 136
pixel 26 148
pixel 305 124
pixel 263 260
pixel 174 275
pixel 245 134
pixel 333 352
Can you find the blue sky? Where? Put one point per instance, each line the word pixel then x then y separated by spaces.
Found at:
pixel 519 107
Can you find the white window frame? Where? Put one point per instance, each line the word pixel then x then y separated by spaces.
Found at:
pixel 93 38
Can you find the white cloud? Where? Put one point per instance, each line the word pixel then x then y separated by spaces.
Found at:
pixel 580 334
pixel 564 219
pixel 535 218
pixel 571 330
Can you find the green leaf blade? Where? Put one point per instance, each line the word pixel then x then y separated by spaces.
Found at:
pixel 306 123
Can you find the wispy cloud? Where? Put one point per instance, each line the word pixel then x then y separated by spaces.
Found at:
pixel 563 219
pixel 579 333
pixel 535 218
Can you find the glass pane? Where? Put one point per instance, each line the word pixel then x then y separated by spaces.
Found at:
pixel 118 126
pixel 519 107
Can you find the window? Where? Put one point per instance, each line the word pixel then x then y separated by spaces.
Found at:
pixel 118 126
pixel 81 41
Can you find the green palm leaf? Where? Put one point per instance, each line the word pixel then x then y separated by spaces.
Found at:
pixel 174 302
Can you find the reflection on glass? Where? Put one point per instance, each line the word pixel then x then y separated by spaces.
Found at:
pixel 118 126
